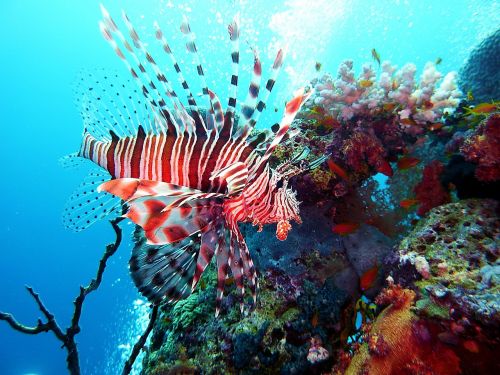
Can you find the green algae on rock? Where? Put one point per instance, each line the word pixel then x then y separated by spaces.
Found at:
pixel 456 251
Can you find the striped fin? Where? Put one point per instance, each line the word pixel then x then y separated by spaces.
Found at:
pixel 191 47
pixel 160 76
pixel 164 272
pixel 166 48
pixel 234 36
pixel 236 264
pixel 209 240
pixel 278 62
pixel 235 176
pixel 86 205
pixel 248 107
pixel 222 260
pixel 248 268
pixel 168 213
pixel 108 27
pixel 164 221
pixel 149 89
pixel 292 107
pixel 133 188
pixel 73 161
pixel 217 109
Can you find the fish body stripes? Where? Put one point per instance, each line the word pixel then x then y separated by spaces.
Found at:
pixel 188 176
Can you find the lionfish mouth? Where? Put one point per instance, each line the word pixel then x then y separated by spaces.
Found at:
pixel 282 230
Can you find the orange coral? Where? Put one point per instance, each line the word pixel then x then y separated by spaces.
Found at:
pixel 400 343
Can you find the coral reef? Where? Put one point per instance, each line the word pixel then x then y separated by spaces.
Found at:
pixel 291 329
pixel 446 320
pixel 430 192
pixel 480 74
pixel 347 97
pixel 460 242
pixel 482 147
pixel 399 343
pixel 399 150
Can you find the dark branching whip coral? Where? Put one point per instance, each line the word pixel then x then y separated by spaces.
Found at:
pixel 67 337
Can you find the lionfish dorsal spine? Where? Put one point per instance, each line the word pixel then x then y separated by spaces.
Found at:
pixel 234 36
pixel 108 28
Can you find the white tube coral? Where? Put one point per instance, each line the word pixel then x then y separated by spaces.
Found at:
pixel 395 92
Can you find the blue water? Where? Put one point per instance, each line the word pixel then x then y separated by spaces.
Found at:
pixel 44 44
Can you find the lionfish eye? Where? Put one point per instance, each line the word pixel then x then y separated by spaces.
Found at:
pixel 279 184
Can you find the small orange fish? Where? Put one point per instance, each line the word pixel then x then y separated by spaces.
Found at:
pixel 420 141
pixel 408 203
pixel 395 84
pixel 435 126
pixel 315 319
pixel 427 104
pixel 337 169
pixel 482 108
pixel 344 229
pixel 317 110
pixel 385 168
pixel 408 121
pixel 389 107
pixel 365 83
pixel 368 278
pixel 329 123
pixel 471 346
pixel 407 162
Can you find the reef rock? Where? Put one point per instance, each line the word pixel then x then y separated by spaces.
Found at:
pixel 481 72
pixel 456 251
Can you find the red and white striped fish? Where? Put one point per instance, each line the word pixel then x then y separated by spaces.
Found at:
pixel 185 178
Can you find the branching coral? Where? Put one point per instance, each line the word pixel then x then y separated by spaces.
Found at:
pixel 346 96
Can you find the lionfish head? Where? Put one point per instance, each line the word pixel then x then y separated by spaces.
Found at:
pixel 286 203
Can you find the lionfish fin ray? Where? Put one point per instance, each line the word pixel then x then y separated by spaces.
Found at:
pixel 235 176
pixel 73 161
pixel 87 205
pixel 168 213
pixel 111 106
pixel 164 272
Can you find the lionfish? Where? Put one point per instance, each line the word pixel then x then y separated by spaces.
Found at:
pixel 186 176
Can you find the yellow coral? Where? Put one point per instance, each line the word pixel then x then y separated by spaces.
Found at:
pixel 397 327
pixel 321 178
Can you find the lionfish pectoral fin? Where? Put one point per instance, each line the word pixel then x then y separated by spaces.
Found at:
pixel 235 175
pixel 164 272
pixel 133 188
pixel 168 213
pixel 87 204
